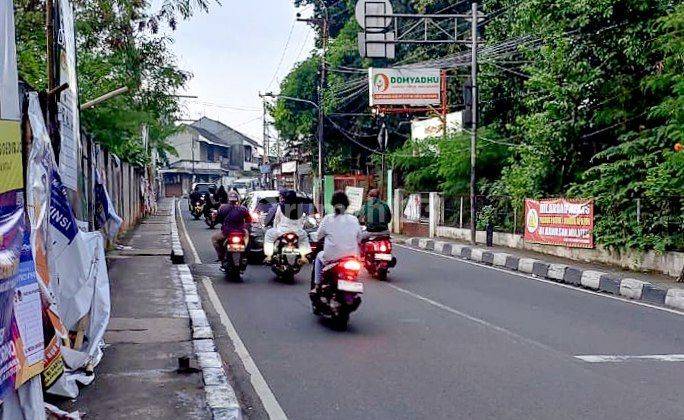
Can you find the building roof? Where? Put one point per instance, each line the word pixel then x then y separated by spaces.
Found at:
pixel 220 133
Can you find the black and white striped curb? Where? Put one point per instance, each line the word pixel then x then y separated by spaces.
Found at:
pixel 220 395
pixel 590 279
pixel 177 255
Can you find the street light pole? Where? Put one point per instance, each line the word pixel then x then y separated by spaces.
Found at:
pixel 473 135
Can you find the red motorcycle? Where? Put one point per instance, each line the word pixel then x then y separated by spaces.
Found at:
pixel 376 252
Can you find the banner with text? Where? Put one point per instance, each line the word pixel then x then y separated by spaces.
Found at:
pixel 409 87
pixel 560 221
pixel 10 133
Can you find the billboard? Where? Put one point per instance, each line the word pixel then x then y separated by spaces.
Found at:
pixel 560 221
pixel 433 127
pixel 407 87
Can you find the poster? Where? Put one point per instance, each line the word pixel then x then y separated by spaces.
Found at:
pixel 408 87
pixel 560 221
pixel 38 190
pixel 355 195
pixel 11 238
pixel 28 338
pixel 68 108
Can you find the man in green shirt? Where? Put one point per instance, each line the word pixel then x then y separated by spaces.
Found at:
pixel 375 213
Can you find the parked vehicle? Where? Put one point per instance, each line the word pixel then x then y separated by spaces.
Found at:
pixel 340 291
pixel 235 263
pixel 376 253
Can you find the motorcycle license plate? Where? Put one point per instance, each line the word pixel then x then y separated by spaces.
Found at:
pixel 350 286
pixel 383 257
pixel 236 248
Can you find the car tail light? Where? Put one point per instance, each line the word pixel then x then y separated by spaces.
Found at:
pixel 351 265
pixel 236 239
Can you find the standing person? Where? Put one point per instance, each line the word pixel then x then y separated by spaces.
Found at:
pixel 221 196
pixel 341 234
pixel 375 213
pixel 233 218
pixel 289 217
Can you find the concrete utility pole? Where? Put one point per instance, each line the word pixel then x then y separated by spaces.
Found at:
pixel 473 135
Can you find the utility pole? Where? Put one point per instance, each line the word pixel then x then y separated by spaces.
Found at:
pixel 322 23
pixel 473 135
pixel 266 160
pixel 52 77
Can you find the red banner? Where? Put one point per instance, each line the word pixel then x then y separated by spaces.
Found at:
pixel 560 221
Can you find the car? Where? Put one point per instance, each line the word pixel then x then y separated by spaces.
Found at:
pixel 259 203
pixel 205 187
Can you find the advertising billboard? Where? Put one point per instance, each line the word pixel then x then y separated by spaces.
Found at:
pixel 560 221
pixel 407 87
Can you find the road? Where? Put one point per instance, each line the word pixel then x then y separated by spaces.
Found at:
pixel 445 339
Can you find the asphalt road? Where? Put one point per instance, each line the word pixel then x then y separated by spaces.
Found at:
pixel 452 340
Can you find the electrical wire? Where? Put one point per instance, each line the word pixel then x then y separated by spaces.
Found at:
pixel 282 56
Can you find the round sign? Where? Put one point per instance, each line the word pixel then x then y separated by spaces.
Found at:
pixel 373 7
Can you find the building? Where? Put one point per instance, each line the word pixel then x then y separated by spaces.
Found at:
pixel 209 151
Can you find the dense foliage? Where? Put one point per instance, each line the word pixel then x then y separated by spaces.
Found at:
pixel 118 44
pixel 581 98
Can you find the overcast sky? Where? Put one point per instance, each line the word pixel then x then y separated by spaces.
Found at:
pixel 233 52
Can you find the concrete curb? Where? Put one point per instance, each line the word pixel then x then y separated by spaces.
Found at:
pixel 220 395
pixel 561 273
pixel 177 255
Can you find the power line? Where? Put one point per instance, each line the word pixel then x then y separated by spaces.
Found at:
pixel 282 56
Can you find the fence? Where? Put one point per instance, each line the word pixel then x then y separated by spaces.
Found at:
pixel 504 214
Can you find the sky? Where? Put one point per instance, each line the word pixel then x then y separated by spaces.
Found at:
pixel 234 52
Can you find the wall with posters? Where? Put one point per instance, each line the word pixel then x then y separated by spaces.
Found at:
pixel 560 221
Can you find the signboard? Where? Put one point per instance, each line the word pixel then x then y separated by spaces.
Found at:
pixel 355 195
pixel 67 107
pixel 560 221
pixel 289 167
pixel 408 87
pixel 11 177
pixel 434 127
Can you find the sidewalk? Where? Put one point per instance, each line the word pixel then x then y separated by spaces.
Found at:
pixel 651 288
pixel 148 331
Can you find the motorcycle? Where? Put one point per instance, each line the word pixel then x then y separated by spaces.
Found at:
pixel 286 257
pixel 340 291
pixel 235 262
pixel 376 252
pixel 197 208
pixel 210 218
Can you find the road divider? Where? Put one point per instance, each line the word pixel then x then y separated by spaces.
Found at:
pixel 590 279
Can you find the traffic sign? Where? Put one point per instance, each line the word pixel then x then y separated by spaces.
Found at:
pixel 373 7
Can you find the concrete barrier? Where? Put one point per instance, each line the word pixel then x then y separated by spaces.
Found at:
pixel 526 265
pixel 476 254
pixel 556 271
pixel 632 288
pixel 500 259
pixel 591 279
pixel 675 298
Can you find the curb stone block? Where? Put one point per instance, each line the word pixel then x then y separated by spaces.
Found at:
pixel 199 333
pixel 422 242
pixel 203 346
pixel 500 259
pixel 526 265
pixel 653 294
pixel 610 284
pixel 632 288
pixel 573 276
pixel 457 250
pixel 221 397
pixel 198 318
pixel 447 249
pixel 476 254
pixel 413 241
pixel 556 272
pixel 488 257
pixel 512 262
pixel 466 251
pixel 591 279
pixel 214 377
pixel 439 246
pixel 675 298
pixel 540 269
pixel 209 360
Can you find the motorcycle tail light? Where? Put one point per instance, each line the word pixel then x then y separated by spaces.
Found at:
pixel 351 265
pixel 385 247
pixel 236 239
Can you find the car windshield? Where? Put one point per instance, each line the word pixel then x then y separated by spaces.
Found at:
pixel 204 188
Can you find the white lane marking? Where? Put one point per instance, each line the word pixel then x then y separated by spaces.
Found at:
pixel 615 358
pixel 476 320
pixel 195 255
pixel 567 286
pixel 268 400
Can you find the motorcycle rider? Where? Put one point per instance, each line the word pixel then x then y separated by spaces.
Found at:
pixel 375 213
pixel 221 196
pixel 194 197
pixel 289 217
pixel 233 218
pixel 341 234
